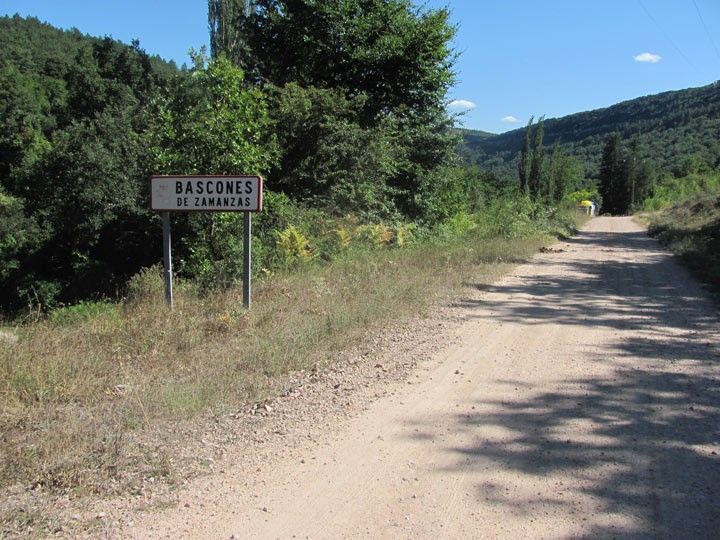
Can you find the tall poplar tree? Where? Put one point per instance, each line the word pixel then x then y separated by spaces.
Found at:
pixel 225 21
pixel 554 176
pixel 538 158
pixel 524 165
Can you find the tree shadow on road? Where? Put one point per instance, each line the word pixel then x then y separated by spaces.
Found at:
pixel 655 433
pixel 645 294
pixel 652 427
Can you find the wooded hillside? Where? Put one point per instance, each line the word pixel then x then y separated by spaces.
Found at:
pixel 74 113
pixel 667 128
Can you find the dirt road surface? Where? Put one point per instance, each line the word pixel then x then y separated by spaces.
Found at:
pixel 579 398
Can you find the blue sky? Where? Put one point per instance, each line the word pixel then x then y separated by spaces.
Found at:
pixel 518 57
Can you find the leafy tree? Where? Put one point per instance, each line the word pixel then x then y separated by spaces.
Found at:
pixel 211 123
pixel 643 183
pixel 396 54
pixel 425 141
pixel 304 118
pixel 691 164
pixel 443 195
pixel 565 174
pixel 328 158
pixel 24 111
pixel 361 161
pixel 87 194
pixel 18 234
pixel 389 61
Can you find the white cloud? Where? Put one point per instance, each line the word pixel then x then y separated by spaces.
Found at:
pixel 648 57
pixel 509 119
pixel 462 104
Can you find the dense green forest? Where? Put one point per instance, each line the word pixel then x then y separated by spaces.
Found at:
pixel 74 114
pixel 665 130
pixel 349 130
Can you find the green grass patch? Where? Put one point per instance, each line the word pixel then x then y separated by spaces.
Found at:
pixel 81 312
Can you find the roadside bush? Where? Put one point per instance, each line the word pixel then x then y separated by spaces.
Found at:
pixel 294 246
pixel 147 286
pixel 507 217
pixel 673 190
pixel 458 225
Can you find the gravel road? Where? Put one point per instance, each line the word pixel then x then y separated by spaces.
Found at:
pixel 578 397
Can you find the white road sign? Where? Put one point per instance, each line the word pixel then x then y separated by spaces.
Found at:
pixel 206 193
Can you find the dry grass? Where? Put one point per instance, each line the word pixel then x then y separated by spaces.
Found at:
pixel 691 230
pixel 75 395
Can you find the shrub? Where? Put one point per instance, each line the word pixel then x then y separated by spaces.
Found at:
pixel 80 312
pixel 344 237
pixel 672 190
pixel 147 285
pixel 294 246
pixel 458 225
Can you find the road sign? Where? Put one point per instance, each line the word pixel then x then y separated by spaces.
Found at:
pixel 206 193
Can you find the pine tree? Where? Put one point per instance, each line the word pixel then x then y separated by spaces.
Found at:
pixel 524 165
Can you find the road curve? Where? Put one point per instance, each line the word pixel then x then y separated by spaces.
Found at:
pixel 582 400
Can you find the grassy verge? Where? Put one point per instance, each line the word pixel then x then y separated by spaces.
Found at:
pixel 77 388
pixel 691 230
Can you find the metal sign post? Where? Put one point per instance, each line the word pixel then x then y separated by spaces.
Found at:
pixel 247 259
pixel 207 194
pixel 167 258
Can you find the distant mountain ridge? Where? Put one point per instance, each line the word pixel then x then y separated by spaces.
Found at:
pixel 667 127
